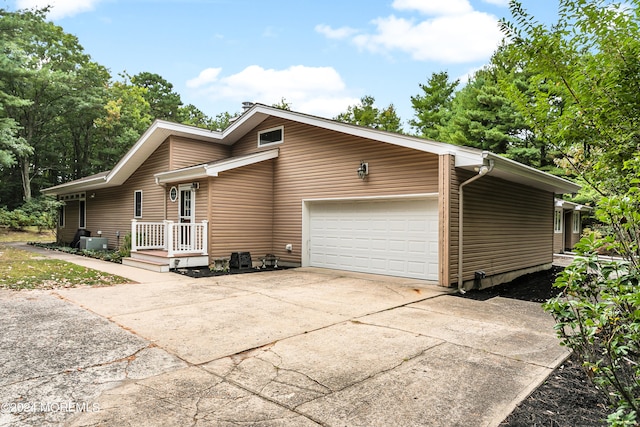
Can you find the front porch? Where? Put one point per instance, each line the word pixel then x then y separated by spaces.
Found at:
pixel 166 245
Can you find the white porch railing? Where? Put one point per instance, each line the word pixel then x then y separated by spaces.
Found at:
pixel 175 238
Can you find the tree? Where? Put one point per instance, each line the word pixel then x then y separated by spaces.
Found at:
pixel 585 73
pixel 585 76
pixel 40 65
pixel 127 116
pixel 365 114
pixel 283 104
pixel 163 101
pixel 433 108
pixel 482 116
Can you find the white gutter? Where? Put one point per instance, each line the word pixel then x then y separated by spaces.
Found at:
pixel 484 170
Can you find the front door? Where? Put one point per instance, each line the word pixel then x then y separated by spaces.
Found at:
pixel 187 216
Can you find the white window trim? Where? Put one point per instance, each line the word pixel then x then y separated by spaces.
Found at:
pixel 558 221
pixel 576 222
pixel 62 219
pixel 135 200
pixel 82 203
pixel 281 128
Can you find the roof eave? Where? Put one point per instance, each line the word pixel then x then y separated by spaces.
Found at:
pixel 75 186
pixel 517 172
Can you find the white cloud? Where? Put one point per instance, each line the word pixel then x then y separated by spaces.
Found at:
pixel 434 7
pixel 449 39
pixel 335 33
pixel 208 75
pixel 503 3
pixel 59 8
pixel 314 90
pixel 453 32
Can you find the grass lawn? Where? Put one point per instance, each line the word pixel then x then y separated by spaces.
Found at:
pixel 29 234
pixel 20 269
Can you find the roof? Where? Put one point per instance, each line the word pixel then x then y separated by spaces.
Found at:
pixel 159 131
pixel 571 206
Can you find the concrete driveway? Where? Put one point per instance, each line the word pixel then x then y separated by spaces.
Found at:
pixel 288 348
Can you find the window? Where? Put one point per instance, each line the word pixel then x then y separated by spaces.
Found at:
pixel 61 217
pixel 82 214
pixel 576 222
pixel 271 136
pixel 137 204
pixel 557 221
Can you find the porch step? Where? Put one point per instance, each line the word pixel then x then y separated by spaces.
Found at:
pixel 146 265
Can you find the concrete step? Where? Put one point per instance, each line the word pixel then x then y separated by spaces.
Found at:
pixel 146 265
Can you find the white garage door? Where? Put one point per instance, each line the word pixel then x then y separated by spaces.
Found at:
pixel 397 238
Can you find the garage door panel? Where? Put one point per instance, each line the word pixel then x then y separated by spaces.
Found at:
pixel 388 237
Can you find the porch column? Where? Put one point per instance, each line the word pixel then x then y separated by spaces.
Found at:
pixel 134 235
pixel 205 237
pixel 168 237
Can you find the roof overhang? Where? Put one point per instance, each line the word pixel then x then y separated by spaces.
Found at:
pixel 513 171
pixel 159 131
pixel 571 206
pixel 84 184
pixel 213 169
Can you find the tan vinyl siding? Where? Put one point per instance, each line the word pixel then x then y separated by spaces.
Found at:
pixel 456 178
pixel 506 227
pixel 110 210
pixel 558 239
pixel 317 163
pixel 242 211
pixel 71 222
pixel 187 152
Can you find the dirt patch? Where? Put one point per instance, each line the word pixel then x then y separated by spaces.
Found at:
pixel 567 398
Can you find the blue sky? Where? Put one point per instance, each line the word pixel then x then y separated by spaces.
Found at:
pixel 320 55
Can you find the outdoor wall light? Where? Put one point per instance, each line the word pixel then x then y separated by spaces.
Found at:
pixel 363 170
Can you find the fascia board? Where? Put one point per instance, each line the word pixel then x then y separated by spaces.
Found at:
pixel 75 186
pixel 534 177
pixel 225 165
pixel 195 172
pixel 259 112
pixel 150 140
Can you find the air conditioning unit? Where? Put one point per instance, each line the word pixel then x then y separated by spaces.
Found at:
pixel 94 243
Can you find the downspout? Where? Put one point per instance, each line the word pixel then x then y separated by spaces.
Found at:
pixel 484 170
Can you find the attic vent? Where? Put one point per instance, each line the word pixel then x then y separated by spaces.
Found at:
pixel 271 136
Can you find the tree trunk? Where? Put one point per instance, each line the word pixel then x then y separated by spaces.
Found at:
pixel 26 179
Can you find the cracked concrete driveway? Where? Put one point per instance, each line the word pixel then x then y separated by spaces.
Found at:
pixel 288 348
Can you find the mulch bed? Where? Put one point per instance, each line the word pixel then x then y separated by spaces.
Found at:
pixel 567 398
pixel 198 272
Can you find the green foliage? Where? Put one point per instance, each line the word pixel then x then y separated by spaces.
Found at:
pixel 163 101
pixel 41 213
pixel 598 313
pixel 584 74
pixel 433 107
pixel 283 104
pixel 366 114
pixel 483 117
pixel 125 248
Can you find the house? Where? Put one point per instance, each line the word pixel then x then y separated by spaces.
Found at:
pixel 567 225
pixel 316 192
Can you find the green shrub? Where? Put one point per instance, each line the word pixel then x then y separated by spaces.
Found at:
pixel 41 212
pixel 598 312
